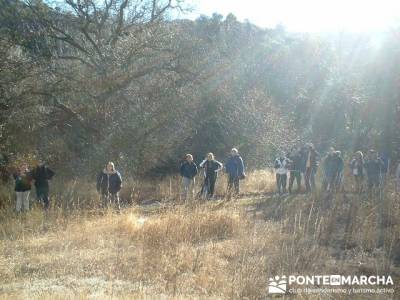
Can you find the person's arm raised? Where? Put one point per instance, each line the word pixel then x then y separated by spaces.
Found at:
pixel 201 165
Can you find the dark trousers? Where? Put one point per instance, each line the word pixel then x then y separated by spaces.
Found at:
pixel 233 181
pixel 309 178
pixel 42 194
pixel 295 175
pixel 111 199
pixel 332 182
pixel 209 183
pixel 281 180
pixel 359 184
pixel 374 185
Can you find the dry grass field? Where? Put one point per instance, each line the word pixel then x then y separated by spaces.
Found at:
pixel 214 250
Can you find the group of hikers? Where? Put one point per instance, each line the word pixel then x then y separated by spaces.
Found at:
pixel 24 177
pixel 302 162
pixel 109 183
pixel 233 167
pixel 305 161
pixel 109 180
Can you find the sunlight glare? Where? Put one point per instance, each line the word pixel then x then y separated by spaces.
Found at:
pixel 309 15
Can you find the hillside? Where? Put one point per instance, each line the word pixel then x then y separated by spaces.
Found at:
pixel 79 87
pixel 127 103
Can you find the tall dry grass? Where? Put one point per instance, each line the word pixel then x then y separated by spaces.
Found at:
pixel 182 252
pixel 81 194
pixel 170 188
pixel 199 250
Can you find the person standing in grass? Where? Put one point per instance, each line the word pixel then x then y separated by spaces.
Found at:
pixel 211 169
pixel 333 166
pixel 303 161
pixel 295 159
pixel 42 174
pixel 109 183
pixel 357 170
pixel 384 156
pixel 281 166
pixel 23 184
pixel 311 167
pixel 374 167
pixel 328 166
pixel 339 168
pixel 188 171
pixel 234 167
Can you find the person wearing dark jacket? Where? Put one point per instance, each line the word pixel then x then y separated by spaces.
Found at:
pixel 23 184
pixel 295 167
pixel 234 167
pixel 42 174
pixel 109 183
pixel 188 171
pixel 281 167
pixel 374 167
pixel 311 166
pixel 333 170
pixel 385 158
pixel 211 169
pixel 357 170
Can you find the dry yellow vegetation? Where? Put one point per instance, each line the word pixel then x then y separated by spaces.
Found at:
pixel 211 250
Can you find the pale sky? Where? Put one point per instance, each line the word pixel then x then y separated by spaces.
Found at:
pixel 307 15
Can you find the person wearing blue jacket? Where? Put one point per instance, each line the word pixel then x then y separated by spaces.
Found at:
pixel 188 171
pixel 234 167
pixel 109 183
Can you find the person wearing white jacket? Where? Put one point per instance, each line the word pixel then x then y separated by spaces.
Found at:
pixel 281 169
